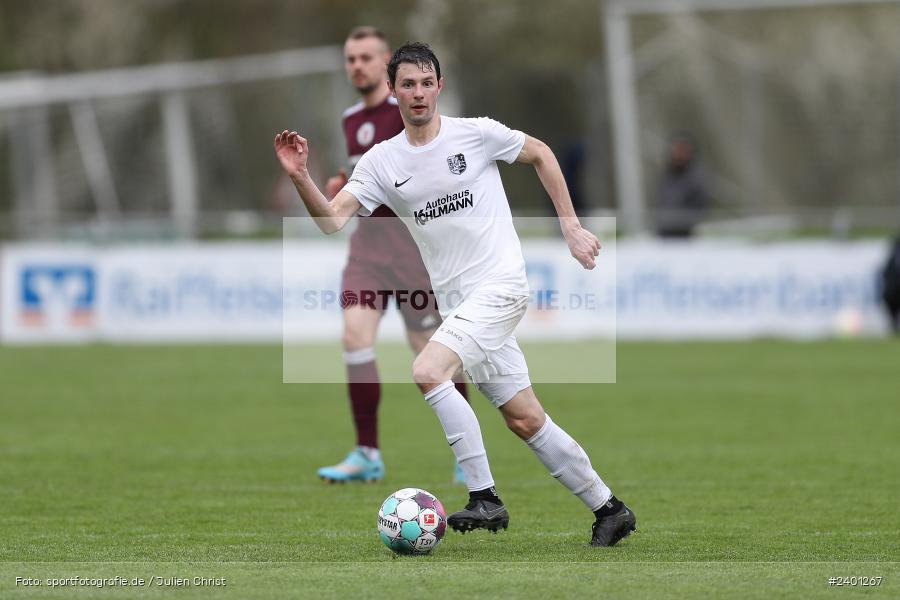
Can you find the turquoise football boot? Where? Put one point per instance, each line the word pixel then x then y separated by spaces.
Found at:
pixel 458 475
pixel 356 467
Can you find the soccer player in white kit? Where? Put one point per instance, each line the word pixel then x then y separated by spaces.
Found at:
pixel 440 175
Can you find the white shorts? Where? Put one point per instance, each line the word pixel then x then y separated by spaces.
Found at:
pixel 480 332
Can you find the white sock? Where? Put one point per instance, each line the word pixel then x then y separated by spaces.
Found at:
pixel 568 463
pixel 359 357
pixel 463 434
pixel 370 452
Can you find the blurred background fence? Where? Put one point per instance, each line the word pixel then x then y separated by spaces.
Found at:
pixel 792 107
pixel 793 104
pixel 159 151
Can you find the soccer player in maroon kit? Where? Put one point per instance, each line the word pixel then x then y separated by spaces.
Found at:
pixel 383 258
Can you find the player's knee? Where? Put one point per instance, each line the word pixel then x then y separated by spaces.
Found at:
pixel 526 425
pixel 427 374
pixel 354 339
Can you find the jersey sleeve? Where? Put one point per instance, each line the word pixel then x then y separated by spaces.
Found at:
pixel 365 186
pixel 500 142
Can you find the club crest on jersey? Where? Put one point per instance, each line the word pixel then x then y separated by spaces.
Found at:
pixel 457 163
pixel 365 134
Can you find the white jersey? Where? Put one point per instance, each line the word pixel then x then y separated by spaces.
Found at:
pixel 449 194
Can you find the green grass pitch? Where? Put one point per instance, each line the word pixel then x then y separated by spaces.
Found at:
pixel 756 470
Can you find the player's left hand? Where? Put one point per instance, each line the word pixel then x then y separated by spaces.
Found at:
pixel 583 245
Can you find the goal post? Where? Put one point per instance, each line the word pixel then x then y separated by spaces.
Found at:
pixel 624 69
pixel 34 108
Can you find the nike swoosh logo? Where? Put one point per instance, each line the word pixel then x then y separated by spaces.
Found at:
pixel 490 514
pixel 454 441
pixel 396 185
pixel 462 319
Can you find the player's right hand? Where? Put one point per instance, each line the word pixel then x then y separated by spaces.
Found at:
pixel 292 151
pixel 336 184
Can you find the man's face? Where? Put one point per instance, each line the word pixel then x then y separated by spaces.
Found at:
pixel 416 92
pixel 680 153
pixel 366 63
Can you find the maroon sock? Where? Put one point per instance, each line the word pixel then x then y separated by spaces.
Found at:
pixel 365 394
pixel 463 389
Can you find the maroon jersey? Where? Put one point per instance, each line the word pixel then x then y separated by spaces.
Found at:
pixel 378 238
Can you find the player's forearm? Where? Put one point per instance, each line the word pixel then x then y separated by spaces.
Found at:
pixel 554 183
pixel 317 204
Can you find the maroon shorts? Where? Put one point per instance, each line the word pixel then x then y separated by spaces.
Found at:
pixel 373 285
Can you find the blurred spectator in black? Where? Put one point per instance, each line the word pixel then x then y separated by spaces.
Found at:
pixel 572 165
pixel 890 286
pixel 681 197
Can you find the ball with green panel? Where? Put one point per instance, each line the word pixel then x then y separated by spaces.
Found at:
pixel 411 521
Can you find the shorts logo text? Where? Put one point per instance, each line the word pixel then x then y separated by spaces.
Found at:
pixel 450 332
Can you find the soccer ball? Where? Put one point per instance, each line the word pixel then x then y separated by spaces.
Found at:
pixel 411 521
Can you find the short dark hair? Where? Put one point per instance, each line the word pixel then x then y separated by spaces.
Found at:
pixel 366 31
pixel 415 53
